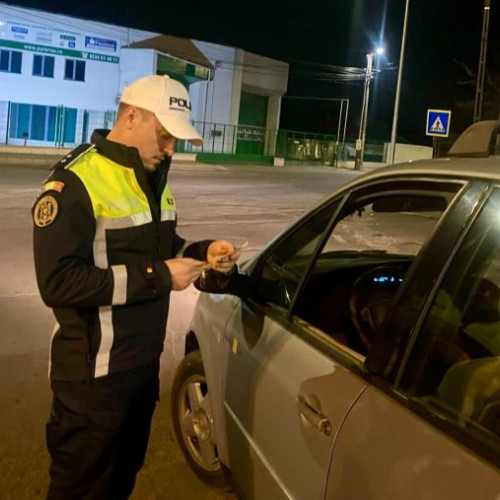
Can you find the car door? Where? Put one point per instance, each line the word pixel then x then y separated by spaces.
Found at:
pixel 280 413
pixel 431 428
pixel 278 433
pixel 292 380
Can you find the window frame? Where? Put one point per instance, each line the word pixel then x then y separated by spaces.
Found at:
pixel 43 65
pixel 389 355
pixel 48 128
pixel 74 62
pixel 295 324
pixel 11 53
pixel 362 194
pixel 472 435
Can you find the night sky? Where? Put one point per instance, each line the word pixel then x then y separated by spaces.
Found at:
pixel 318 36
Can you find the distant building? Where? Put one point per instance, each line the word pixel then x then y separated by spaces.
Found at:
pixel 61 77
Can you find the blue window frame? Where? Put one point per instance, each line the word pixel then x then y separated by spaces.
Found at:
pixel 10 61
pixel 74 70
pixel 42 123
pixel 69 125
pixel 43 66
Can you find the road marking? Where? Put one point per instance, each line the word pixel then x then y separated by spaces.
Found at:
pixel 19 295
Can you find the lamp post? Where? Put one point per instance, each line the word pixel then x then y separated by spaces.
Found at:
pixel 478 104
pixel 360 142
pixel 392 149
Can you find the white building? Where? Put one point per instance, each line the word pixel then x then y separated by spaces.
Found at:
pixel 61 77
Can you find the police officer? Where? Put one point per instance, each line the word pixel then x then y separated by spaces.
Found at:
pixel 107 256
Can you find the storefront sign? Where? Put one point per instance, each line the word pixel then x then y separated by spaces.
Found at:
pixel 57 42
pixel 100 43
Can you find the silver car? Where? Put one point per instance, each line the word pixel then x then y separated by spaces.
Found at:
pixel 357 356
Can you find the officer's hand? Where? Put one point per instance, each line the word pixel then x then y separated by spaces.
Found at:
pixel 222 255
pixel 185 271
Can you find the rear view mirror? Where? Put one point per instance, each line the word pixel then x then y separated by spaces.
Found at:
pixel 410 204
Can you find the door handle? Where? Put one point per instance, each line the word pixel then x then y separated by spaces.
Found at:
pixel 310 410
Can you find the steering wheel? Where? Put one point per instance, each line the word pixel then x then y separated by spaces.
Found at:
pixel 370 298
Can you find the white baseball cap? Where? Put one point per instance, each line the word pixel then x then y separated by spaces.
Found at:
pixel 169 100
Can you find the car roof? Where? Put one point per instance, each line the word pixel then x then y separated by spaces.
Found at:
pixel 454 168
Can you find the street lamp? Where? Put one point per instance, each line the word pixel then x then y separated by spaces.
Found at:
pixel 360 142
pixel 478 104
pixel 392 149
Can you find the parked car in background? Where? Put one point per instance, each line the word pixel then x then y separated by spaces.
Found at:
pixel 357 355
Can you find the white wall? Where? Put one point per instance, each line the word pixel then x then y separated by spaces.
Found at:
pixel 220 89
pixel 135 64
pixel 97 92
pixel 407 152
pixel 4 109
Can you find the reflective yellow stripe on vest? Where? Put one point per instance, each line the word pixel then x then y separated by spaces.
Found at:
pixel 118 202
pixel 168 206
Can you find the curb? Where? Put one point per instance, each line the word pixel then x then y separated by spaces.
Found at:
pixel 182 164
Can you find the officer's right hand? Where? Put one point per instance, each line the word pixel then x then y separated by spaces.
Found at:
pixel 185 271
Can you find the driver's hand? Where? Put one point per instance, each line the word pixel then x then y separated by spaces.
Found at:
pixel 222 256
pixel 185 271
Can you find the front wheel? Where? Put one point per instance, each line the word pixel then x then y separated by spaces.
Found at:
pixel 193 421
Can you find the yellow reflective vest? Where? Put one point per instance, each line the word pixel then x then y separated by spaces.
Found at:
pixel 102 231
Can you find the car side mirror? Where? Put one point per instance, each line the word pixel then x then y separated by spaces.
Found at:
pixel 232 283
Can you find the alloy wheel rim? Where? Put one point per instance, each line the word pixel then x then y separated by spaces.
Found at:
pixel 197 423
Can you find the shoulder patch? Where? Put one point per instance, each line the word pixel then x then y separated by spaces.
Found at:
pixel 70 158
pixel 53 186
pixel 45 211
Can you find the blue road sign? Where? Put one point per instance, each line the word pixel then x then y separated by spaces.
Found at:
pixel 438 122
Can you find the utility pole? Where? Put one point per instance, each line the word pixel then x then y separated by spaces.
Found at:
pixel 394 131
pixel 478 104
pixel 360 143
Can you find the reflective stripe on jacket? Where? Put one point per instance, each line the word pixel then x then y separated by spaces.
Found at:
pixel 99 259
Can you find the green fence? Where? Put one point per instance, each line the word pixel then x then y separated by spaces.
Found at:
pixel 30 124
pixel 259 142
pixel 303 147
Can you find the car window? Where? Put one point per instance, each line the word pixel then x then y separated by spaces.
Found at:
pixel 455 362
pixel 284 268
pixel 365 259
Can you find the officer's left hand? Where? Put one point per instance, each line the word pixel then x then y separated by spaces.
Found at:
pixel 222 255
pixel 184 271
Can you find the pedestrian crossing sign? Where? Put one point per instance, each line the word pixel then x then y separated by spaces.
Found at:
pixel 438 122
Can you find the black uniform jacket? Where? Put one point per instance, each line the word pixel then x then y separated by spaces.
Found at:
pixel 102 232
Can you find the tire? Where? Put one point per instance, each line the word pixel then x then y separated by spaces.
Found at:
pixel 193 421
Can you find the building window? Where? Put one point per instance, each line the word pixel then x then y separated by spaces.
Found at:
pixel 43 66
pixel 10 61
pixel 42 123
pixel 74 70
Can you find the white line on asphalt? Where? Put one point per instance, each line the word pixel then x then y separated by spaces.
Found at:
pixel 18 295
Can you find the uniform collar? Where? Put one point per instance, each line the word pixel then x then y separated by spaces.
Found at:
pixel 119 153
pixel 126 156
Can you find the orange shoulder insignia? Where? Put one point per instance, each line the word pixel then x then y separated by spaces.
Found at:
pixel 53 186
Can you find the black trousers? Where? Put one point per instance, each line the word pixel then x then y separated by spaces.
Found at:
pixel 98 434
